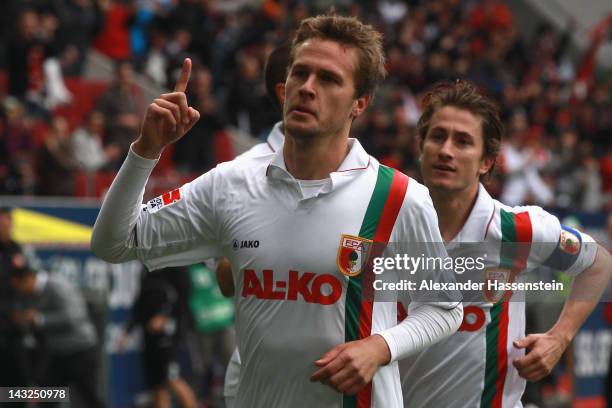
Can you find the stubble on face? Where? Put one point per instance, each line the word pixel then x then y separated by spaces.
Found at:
pixel 320 90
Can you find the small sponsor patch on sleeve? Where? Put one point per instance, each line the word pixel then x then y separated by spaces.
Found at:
pixel 567 250
pixel 163 200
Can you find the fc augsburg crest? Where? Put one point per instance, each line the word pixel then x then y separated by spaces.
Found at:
pixel 569 242
pixel 492 276
pixel 353 254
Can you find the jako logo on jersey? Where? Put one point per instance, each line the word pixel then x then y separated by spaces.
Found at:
pixel 253 243
pixel 163 200
pixel 353 254
pixel 249 244
pixel 323 289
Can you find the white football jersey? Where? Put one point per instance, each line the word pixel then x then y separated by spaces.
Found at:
pixel 473 367
pixel 297 294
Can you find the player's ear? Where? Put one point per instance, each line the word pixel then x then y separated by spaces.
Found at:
pixel 485 165
pixel 279 90
pixel 360 105
pixel 419 149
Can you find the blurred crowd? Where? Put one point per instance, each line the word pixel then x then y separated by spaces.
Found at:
pixel 47 336
pixel 55 333
pixel 556 104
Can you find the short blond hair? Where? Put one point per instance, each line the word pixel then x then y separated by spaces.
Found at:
pixel 351 32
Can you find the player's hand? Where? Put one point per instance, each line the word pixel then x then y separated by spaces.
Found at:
pixel 157 323
pixel 543 352
pixel 167 119
pixel 349 367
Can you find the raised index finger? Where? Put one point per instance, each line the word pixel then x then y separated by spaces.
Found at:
pixel 181 84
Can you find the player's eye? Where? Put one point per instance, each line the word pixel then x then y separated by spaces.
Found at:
pixel 437 136
pixel 464 141
pixel 299 73
pixel 328 79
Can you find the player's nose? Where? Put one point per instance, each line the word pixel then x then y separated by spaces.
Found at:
pixel 308 86
pixel 446 149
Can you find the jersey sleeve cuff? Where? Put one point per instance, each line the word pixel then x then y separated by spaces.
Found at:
pixel 390 340
pixel 138 161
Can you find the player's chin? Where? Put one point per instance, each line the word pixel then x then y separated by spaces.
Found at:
pixel 439 182
pixel 298 128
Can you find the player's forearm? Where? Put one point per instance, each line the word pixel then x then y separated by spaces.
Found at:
pixel 586 291
pixel 425 325
pixel 225 279
pixel 113 234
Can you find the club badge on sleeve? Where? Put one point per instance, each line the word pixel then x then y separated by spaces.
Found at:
pixel 567 250
pixel 569 242
pixel 353 254
pixel 164 200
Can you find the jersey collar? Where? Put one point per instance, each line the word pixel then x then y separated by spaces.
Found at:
pixel 356 160
pixel 276 137
pixel 475 227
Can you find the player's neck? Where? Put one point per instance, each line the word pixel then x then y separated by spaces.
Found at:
pixel 314 159
pixel 453 208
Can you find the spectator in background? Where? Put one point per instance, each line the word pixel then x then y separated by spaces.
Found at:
pixel 198 18
pixel 576 173
pixel 248 105
pixel 120 107
pixel 50 306
pixel 16 144
pixel 12 352
pixel 87 144
pixel 113 40
pixel 176 51
pixel 563 162
pixel 155 65
pixel 25 55
pixel 162 310
pixel 55 92
pixel 7 244
pixel 589 178
pixel 80 21
pixel 143 15
pixel 33 69
pixel 489 16
pixel 605 165
pixel 523 158
pixel 195 154
pixel 55 161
